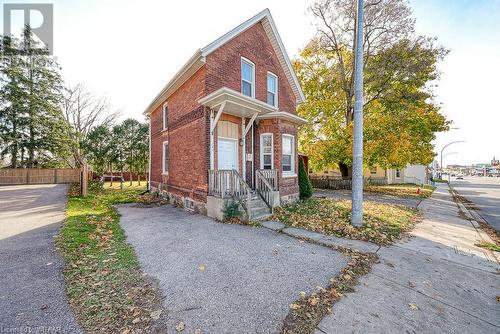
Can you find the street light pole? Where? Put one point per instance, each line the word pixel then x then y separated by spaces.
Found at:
pixel 357 150
pixel 445 146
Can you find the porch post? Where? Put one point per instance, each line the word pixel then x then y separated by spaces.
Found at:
pixel 211 140
pixel 243 150
pixel 213 124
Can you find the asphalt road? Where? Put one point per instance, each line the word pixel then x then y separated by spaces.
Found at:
pixel 32 292
pixel 484 192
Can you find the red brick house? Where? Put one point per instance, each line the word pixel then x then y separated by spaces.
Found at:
pixel 225 127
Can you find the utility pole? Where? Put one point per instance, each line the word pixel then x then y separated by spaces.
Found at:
pixel 357 149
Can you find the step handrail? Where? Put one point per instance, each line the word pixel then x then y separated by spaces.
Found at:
pixel 264 189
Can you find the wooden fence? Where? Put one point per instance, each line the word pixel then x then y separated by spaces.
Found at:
pixel 336 183
pixel 11 176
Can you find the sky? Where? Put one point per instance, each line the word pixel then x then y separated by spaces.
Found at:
pixel 128 50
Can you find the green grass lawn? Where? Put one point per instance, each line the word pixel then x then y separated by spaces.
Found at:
pixel 383 223
pixel 403 190
pixel 104 282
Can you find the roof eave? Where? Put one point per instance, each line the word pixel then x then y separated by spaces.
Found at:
pixel 193 64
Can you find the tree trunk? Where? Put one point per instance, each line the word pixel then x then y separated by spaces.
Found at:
pixel 138 178
pixel 121 178
pixel 111 168
pixel 345 170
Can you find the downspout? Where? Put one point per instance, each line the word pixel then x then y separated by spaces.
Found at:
pixel 253 158
pixel 149 168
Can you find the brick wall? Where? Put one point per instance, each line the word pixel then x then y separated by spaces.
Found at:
pixel 224 66
pixel 188 132
pixel 288 185
pixel 187 136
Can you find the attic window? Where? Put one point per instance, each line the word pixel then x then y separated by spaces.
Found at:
pixel 247 77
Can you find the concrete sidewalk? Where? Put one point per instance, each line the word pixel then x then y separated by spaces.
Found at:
pixel 435 282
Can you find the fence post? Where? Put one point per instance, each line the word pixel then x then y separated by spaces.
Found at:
pixel 84 180
pixel 27 176
pixel 55 175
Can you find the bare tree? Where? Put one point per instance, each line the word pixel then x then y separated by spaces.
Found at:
pixel 386 22
pixel 84 111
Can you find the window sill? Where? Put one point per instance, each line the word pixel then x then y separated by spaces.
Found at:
pixel 286 175
pixel 164 174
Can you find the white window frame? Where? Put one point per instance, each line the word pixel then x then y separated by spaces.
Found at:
pixel 248 61
pixel 276 92
pixel 262 151
pixel 396 172
pixel 164 172
pixel 164 117
pixel 292 160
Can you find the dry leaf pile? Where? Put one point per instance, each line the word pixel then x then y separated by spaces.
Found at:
pixel 383 223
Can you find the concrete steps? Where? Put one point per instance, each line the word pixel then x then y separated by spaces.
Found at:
pixel 258 208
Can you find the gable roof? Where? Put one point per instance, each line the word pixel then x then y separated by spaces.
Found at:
pixel 199 58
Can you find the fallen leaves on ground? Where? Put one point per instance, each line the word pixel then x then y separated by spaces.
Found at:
pixel 413 306
pixel 382 223
pixel 306 312
pixel 402 190
pixel 180 327
pixel 105 285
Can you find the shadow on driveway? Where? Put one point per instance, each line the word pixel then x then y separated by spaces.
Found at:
pixel 32 292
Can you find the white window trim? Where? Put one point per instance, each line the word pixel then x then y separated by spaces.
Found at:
pixel 165 106
pixel 243 59
pixel 165 143
pixel 291 173
pixel 262 151
pixel 275 93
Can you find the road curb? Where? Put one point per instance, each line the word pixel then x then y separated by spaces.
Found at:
pixel 471 217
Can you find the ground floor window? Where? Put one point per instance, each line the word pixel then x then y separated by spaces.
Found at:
pixel 165 157
pixel 398 173
pixel 266 151
pixel 288 154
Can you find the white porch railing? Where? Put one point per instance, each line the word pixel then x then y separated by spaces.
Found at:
pixel 225 183
pixel 271 176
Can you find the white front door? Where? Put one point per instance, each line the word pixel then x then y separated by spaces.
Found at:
pixel 227 153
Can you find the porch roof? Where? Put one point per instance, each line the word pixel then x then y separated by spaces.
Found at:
pixel 284 115
pixel 236 103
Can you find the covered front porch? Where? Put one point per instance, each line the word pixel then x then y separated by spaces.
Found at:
pixel 245 163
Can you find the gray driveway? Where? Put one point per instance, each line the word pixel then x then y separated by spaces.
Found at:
pixel 221 278
pixel 32 292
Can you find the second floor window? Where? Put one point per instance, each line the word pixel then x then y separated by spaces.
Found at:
pixel 247 78
pixel 165 116
pixel 272 89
